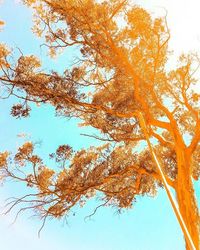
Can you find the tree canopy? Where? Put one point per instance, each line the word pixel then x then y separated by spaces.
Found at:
pixel 122 69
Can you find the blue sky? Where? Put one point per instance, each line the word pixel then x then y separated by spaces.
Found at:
pixel 151 224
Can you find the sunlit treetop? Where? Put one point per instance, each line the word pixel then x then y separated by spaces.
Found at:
pixel 122 68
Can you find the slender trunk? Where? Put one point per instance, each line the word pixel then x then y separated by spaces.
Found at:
pixel 186 197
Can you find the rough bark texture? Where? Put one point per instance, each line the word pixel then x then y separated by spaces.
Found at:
pixel 186 197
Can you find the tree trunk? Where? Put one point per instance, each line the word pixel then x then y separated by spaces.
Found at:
pixel 186 197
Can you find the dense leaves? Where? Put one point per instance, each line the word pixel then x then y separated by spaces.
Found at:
pixel 121 71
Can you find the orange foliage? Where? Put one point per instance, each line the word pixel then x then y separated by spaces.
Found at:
pixel 123 53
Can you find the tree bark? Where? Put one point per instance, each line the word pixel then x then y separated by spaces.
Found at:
pixel 186 197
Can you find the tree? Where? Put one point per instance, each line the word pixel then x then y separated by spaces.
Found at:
pixel 122 72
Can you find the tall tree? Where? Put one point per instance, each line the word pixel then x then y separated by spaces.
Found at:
pixel 122 71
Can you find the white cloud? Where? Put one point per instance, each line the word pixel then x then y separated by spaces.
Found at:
pixel 183 20
pixel 18 1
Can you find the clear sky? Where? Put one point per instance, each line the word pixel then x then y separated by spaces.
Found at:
pixel 151 224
